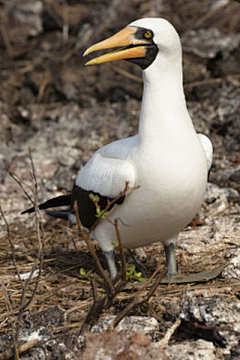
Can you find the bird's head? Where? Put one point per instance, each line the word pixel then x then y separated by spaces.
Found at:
pixel 140 42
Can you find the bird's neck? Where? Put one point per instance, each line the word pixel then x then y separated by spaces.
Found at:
pixel 164 115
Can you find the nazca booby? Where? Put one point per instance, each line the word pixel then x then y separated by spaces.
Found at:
pixel 167 159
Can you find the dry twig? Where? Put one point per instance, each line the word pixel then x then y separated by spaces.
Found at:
pixel 40 235
pixel 86 238
pixel 11 244
pixel 7 298
pixel 116 285
pixel 123 268
pixel 110 203
pixel 163 343
pixel 139 300
pixel 38 261
pixel 8 354
pixel 112 288
pixel 20 183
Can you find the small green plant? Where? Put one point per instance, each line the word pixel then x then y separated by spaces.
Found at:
pixel 85 275
pixel 94 198
pixel 132 273
pixel 115 244
pixel 88 276
pixel 99 213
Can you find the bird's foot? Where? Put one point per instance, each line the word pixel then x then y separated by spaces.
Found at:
pixel 194 277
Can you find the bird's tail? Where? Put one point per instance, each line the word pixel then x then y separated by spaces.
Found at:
pixel 63 200
pixel 61 214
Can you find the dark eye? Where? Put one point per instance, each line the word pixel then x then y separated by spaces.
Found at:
pixel 148 34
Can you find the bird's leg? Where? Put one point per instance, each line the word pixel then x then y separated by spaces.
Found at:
pixel 110 257
pixel 172 275
pixel 171 259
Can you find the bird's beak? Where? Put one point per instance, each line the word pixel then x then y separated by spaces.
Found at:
pixel 130 47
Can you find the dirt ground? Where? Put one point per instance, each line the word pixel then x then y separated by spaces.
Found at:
pixel 62 111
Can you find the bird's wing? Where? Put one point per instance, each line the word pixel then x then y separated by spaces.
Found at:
pixel 62 200
pixel 106 176
pixel 208 148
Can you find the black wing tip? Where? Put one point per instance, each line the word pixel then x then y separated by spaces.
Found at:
pixel 28 211
pixel 61 214
pixel 62 200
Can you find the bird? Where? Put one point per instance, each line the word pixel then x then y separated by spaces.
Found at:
pixel 154 181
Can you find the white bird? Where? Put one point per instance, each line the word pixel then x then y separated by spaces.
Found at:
pixel 167 159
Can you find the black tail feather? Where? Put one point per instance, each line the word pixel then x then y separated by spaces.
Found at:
pixel 63 200
pixel 61 214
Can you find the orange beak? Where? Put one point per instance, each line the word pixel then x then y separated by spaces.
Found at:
pixel 123 39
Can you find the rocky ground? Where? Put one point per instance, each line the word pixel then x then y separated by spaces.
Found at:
pixel 63 112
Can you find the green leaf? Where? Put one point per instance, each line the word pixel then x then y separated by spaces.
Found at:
pixel 82 271
pixel 94 198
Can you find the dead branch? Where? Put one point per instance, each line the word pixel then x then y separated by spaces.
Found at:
pixel 99 305
pixel 9 304
pixel 15 338
pixel 123 273
pixel 113 286
pixel 38 261
pixel 19 182
pixel 139 300
pixel 112 202
pixel 8 354
pixel 123 258
pixel 40 235
pixel 11 244
pixel 94 290
pixel 86 238
pixel 94 314
pixel 163 343
pixel 136 262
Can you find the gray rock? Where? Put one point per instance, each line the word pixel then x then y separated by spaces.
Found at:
pixel 217 198
pixel 217 319
pixel 141 324
pixel 192 350
pixel 206 43
pixel 232 271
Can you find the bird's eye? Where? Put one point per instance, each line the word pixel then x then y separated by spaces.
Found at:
pixel 148 34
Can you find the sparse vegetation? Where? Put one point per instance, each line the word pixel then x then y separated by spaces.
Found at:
pixel 64 112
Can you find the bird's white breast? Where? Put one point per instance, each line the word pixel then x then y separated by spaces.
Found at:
pixel 171 190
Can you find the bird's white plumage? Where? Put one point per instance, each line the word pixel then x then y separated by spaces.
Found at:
pixel 106 175
pixel 207 147
pixel 167 159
